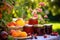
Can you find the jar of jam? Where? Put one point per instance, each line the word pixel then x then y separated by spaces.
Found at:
pixel 28 29
pixel 48 28
pixel 39 29
pixel 33 21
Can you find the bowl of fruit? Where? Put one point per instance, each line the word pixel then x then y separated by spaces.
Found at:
pixel 17 34
pixel 19 23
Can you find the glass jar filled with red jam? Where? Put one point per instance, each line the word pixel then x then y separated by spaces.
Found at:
pixel 28 29
pixel 39 30
pixel 48 28
pixel 33 21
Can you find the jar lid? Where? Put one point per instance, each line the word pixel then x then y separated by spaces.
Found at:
pixel 27 25
pixel 38 25
pixel 47 24
pixel 33 18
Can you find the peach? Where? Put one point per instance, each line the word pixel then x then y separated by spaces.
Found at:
pixel 23 34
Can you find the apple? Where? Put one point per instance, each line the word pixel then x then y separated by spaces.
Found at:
pixel 11 24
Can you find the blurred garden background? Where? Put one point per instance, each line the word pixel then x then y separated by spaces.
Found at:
pixel 23 8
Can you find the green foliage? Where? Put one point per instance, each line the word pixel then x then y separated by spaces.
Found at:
pixel 6 17
pixel 54 7
pixel 21 8
pixel 56 26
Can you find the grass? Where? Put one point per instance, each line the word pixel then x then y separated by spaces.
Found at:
pixel 56 27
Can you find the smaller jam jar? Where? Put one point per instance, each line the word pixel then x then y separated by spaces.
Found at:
pixel 48 28
pixel 39 30
pixel 28 29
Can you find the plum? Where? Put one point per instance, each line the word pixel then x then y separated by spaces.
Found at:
pixel 4 34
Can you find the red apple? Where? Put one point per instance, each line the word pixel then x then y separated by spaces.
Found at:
pixel 10 24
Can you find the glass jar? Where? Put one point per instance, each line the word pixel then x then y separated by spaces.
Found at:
pixel 48 28
pixel 39 29
pixel 28 29
pixel 33 21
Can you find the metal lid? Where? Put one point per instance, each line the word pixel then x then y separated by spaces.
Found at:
pixel 27 25
pixel 38 25
pixel 47 24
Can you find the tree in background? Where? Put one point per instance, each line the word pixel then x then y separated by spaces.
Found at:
pixel 5 10
pixel 54 8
